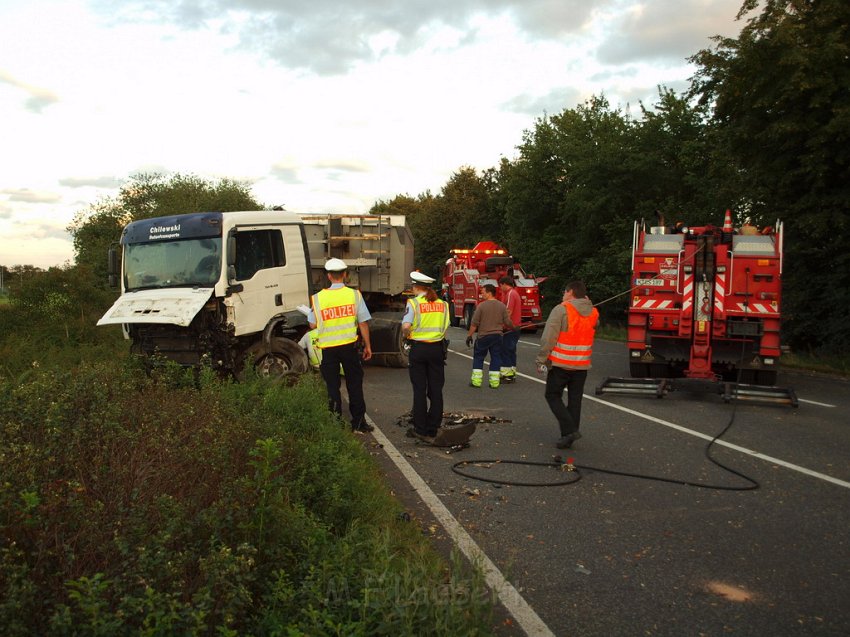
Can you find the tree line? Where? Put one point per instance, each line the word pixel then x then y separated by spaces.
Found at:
pixel 762 130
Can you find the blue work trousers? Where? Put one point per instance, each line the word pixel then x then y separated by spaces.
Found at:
pixel 492 344
pixel 509 342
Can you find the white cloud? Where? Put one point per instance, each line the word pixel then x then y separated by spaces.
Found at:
pixel 328 37
pixel 97 182
pixel 667 31
pixel 30 196
pixel 38 98
pixel 320 106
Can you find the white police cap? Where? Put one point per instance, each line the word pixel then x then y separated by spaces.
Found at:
pixel 418 277
pixel 335 265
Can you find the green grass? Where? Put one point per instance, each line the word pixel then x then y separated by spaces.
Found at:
pixel 611 333
pixel 833 365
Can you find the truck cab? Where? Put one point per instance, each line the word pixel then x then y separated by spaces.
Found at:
pixel 216 285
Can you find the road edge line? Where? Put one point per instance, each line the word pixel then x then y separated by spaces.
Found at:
pixel 522 612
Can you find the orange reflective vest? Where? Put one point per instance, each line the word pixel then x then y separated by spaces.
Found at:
pixel 575 346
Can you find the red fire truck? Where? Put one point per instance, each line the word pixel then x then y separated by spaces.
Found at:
pixel 705 305
pixel 467 270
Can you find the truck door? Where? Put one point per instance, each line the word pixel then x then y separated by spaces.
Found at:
pixel 270 267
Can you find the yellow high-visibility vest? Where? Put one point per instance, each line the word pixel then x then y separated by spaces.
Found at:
pixel 430 320
pixel 336 316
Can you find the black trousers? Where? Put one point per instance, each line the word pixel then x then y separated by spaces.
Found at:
pixel 569 415
pixel 349 358
pixel 427 375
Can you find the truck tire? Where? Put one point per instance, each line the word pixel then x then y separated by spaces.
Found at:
pixel 387 343
pixel 468 311
pixel 281 358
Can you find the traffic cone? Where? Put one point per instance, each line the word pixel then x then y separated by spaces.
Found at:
pixel 727 221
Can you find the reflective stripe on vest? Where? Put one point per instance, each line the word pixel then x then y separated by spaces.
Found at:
pixel 336 316
pixel 575 346
pixel 430 320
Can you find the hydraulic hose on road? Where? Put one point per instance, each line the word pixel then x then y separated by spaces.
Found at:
pixel 574 469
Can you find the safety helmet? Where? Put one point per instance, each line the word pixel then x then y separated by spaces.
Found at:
pixel 335 265
pixel 421 279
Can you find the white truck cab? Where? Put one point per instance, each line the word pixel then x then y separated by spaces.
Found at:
pixel 217 284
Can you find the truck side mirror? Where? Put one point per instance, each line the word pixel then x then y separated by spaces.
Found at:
pixel 112 266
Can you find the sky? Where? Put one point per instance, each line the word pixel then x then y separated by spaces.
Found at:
pixel 321 106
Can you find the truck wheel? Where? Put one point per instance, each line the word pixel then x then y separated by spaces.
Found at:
pixel 468 311
pixel 281 358
pixel 388 341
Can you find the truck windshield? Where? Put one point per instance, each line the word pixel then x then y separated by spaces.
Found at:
pixel 164 264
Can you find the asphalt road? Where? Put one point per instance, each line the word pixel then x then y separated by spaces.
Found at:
pixel 615 555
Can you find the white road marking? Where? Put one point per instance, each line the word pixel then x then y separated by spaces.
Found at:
pixel 814 402
pixel 510 597
pixel 691 432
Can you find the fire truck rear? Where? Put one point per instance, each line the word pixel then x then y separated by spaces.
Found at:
pixel 466 271
pixel 706 303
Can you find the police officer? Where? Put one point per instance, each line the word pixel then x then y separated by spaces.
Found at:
pixel 338 312
pixel 425 322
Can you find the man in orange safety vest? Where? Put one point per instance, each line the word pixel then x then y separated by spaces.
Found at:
pixel 565 351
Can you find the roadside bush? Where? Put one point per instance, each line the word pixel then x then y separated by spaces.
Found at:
pixel 50 322
pixel 182 504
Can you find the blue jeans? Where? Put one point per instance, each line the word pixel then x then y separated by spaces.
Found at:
pixel 509 341
pixel 492 344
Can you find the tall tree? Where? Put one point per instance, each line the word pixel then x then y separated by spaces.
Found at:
pixel 780 94
pixel 682 166
pixel 569 196
pixel 151 195
pixel 465 203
